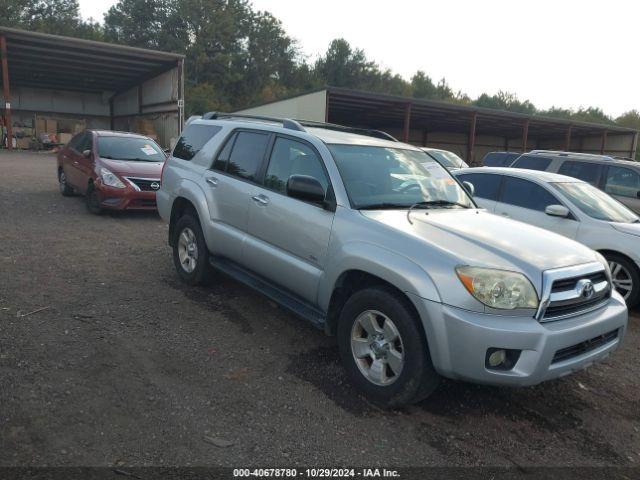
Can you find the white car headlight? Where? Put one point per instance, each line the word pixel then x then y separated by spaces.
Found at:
pixel 109 178
pixel 499 289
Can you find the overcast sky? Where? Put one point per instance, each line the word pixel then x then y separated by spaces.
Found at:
pixel 552 52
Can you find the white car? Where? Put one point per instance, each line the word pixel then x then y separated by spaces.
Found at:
pixel 447 159
pixel 567 206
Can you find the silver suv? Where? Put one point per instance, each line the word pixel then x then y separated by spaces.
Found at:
pixel 373 241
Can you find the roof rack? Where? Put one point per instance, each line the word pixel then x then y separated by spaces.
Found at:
pixel 286 122
pixel 299 125
pixel 342 128
pixel 562 153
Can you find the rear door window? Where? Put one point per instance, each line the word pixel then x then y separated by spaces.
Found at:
pixel 532 162
pixel 526 194
pixel 485 185
pixel 193 138
pixel 623 182
pixel 247 154
pixel 587 171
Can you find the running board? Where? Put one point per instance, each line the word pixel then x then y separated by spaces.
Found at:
pixel 287 300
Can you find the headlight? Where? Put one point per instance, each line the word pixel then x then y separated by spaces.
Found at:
pixel 498 288
pixel 109 178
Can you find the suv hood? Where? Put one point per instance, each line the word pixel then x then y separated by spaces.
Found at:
pixel 133 168
pixel 478 238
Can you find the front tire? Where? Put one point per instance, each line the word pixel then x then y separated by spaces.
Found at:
pixel 92 200
pixel 626 278
pixel 383 348
pixel 65 189
pixel 190 252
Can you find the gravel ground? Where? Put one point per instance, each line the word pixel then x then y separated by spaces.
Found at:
pixel 124 365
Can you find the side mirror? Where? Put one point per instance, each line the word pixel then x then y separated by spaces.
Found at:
pixel 306 188
pixel 557 211
pixel 468 186
pixel 86 154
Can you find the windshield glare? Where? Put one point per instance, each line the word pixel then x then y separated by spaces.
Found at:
pixel 596 203
pixel 447 159
pixel 130 148
pixel 393 177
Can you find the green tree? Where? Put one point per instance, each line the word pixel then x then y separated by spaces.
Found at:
pixel 505 101
pixel 60 17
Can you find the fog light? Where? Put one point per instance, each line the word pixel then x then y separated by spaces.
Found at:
pixel 497 358
pixel 501 358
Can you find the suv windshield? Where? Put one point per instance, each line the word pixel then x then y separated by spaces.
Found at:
pixel 447 159
pixel 596 203
pixel 130 148
pixel 377 177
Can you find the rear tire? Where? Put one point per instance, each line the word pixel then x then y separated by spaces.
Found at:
pixel 92 200
pixel 190 252
pixel 626 278
pixel 383 348
pixel 65 189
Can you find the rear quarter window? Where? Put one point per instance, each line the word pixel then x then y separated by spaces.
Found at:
pixel 485 185
pixel 193 138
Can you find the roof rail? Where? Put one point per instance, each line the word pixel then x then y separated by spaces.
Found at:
pixel 563 153
pixel 286 122
pixel 343 128
pixel 299 125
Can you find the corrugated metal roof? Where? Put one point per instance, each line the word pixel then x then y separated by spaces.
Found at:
pixel 51 61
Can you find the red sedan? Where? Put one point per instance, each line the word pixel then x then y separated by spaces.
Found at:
pixel 113 170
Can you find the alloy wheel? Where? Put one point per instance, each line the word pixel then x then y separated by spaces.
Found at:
pixel 621 278
pixel 188 250
pixel 377 347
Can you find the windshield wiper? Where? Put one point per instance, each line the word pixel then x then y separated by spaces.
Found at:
pixel 439 203
pixel 383 206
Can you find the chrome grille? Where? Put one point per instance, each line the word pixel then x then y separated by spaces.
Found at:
pixel 145 184
pixel 572 291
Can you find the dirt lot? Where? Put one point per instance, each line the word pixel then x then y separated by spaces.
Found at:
pixel 126 366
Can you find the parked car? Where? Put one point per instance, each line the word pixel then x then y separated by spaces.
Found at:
pixel 374 241
pixel 570 207
pixel 113 170
pixel 499 159
pixel 619 178
pixel 447 159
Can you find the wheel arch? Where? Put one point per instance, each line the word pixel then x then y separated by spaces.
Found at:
pixel 351 281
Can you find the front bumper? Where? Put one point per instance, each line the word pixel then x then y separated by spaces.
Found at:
pixel 459 339
pixel 127 198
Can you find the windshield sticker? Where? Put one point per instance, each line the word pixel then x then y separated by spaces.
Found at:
pixel 148 150
pixel 436 170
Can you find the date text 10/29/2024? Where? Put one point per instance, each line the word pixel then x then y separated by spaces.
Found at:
pixel 316 472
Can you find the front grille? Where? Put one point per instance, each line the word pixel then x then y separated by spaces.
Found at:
pixel 566 295
pixel 570 283
pixel 584 347
pixel 145 184
pixel 554 311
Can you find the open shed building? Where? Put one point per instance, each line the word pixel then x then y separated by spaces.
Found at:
pixel 469 131
pixel 55 86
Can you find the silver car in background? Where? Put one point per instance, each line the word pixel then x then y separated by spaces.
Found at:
pixel 373 241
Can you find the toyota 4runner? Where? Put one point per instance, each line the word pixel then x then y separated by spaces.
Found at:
pixel 373 241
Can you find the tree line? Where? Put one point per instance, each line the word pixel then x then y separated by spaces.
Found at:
pixel 237 56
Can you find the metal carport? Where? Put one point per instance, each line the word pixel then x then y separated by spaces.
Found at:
pixel 107 85
pixel 467 130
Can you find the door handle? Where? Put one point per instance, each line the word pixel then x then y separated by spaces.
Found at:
pixel 213 181
pixel 75 162
pixel 261 199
